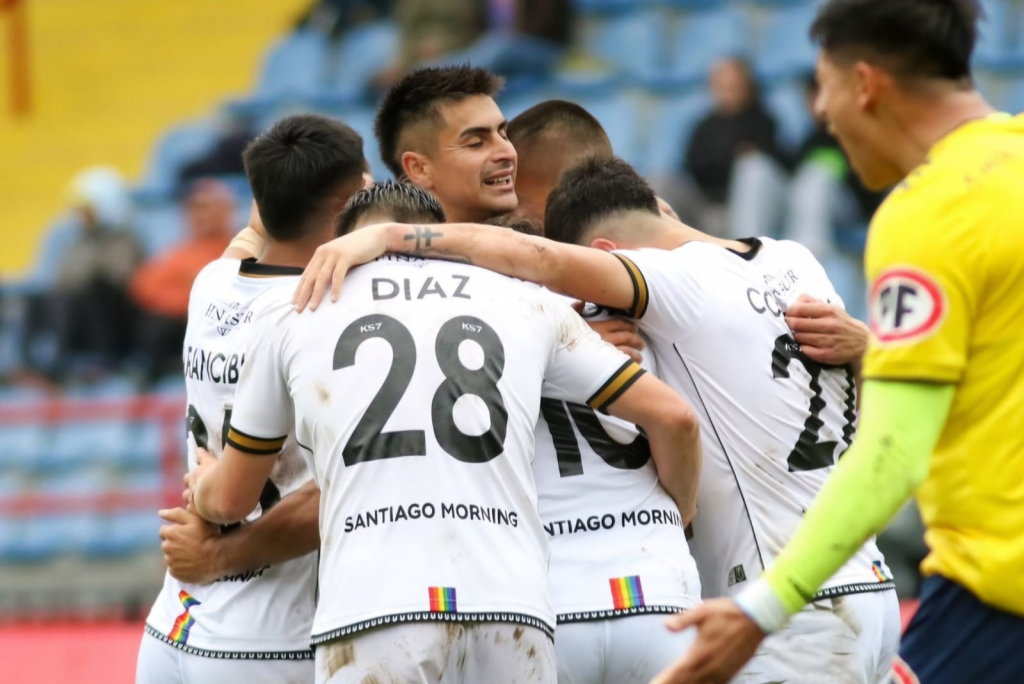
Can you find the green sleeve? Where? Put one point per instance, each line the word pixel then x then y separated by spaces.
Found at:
pixel 900 425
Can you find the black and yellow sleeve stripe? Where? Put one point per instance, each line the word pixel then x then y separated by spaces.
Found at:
pixel 640 293
pixel 624 377
pixel 258 446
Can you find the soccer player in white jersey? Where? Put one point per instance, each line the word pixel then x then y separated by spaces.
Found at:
pixel 773 421
pixel 253 626
pixel 417 395
pixel 601 478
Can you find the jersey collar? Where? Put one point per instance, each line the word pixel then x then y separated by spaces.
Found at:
pixel 755 249
pixel 250 268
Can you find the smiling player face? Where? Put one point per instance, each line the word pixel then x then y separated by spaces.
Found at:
pixel 473 169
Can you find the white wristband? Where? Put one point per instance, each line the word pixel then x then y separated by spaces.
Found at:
pixel 761 604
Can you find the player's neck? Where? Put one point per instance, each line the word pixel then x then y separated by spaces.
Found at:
pixel 928 120
pixel 456 214
pixel 670 234
pixel 295 254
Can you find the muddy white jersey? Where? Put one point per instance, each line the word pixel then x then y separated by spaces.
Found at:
pixel 417 393
pixel 617 541
pixel 267 612
pixel 773 422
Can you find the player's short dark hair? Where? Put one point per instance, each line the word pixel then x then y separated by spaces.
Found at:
pixel 592 190
pixel 567 120
pixel 912 39
pixel 519 224
pixel 415 98
pixel 297 166
pixel 399 202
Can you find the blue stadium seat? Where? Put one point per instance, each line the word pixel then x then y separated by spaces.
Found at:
pixel 996 48
pixel 149 481
pixel 674 118
pixel 89 442
pixel 609 7
pixel 788 104
pixel 144 445
pixel 294 66
pixel 11 533
pixel 363 52
pixel 785 47
pixel 361 121
pixel 75 482
pixel 126 533
pixel 12 484
pixel 1014 100
pixel 618 112
pixel 633 43
pixel 159 227
pixel 171 386
pixel 176 148
pixel 23 446
pixel 698 39
pixel 47 536
pixel 115 387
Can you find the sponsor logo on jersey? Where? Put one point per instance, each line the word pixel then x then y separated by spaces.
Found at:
pixel 442 600
pixel 906 305
pixel 226 316
pixel 183 623
pixel 627 592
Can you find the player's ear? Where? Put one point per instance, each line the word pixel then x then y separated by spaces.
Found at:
pixel 603 244
pixel 869 80
pixel 417 169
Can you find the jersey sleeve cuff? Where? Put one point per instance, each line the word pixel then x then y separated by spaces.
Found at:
pixel 621 380
pixel 258 446
pixel 640 292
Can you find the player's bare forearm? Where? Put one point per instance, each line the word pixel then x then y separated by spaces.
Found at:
pixel 673 432
pixel 288 530
pixel 587 274
pixel 226 491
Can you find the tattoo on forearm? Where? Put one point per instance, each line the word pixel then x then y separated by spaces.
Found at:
pixel 424 245
pixel 423 236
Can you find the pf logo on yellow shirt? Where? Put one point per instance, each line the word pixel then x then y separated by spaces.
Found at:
pixel 906 305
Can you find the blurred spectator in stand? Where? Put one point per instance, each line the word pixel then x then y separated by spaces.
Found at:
pixel 225 159
pixel 825 196
pixel 733 158
pixel 161 287
pixel 87 308
pixel 335 17
pixel 511 37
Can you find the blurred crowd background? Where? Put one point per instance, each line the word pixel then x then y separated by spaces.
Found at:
pixel 121 177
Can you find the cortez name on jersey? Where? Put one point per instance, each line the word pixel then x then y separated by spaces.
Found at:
pixel 418 392
pixel 268 612
pixel 617 541
pixel 773 422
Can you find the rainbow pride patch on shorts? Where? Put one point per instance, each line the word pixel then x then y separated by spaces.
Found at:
pixel 876 567
pixel 442 600
pixel 627 592
pixel 183 623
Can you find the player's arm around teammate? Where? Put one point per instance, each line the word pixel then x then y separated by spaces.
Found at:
pixel 197 552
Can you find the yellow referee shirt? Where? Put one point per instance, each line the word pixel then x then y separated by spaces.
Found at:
pixel 945 260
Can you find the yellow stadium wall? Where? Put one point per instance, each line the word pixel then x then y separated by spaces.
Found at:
pixel 107 77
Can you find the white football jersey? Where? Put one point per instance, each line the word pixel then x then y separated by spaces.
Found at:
pixel 617 541
pixel 773 422
pixel 268 612
pixel 418 392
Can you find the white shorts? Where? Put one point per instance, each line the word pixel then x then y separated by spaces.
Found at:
pixel 624 650
pixel 439 653
pixel 161 663
pixel 848 640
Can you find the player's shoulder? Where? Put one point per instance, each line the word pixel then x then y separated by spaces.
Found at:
pixel 215 273
pixel 975 165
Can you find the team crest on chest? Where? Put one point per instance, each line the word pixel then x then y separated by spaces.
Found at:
pixel 906 305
